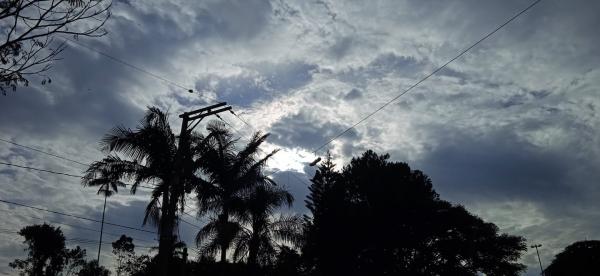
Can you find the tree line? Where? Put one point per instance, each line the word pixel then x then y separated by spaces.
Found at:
pixel 372 216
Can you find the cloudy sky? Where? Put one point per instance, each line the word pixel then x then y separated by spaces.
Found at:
pixel 510 130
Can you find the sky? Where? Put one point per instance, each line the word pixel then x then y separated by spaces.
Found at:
pixel 510 130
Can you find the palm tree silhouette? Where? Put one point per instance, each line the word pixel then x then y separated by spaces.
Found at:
pixel 229 174
pixel 259 240
pixel 108 183
pixel 150 151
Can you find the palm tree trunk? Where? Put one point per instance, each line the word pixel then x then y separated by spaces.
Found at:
pixel 166 230
pixel 223 252
pixel 224 243
pixel 252 252
pixel 253 246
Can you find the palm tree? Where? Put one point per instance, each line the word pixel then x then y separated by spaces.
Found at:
pixel 259 241
pixel 150 151
pixel 99 176
pixel 108 183
pixel 228 173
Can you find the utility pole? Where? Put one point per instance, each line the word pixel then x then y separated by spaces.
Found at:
pixel 192 118
pixel 536 246
pixel 102 224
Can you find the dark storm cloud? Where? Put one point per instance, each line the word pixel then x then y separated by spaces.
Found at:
pixel 83 104
pixel 304 130
pixel 500 166
pixel 259 81
pixel 353 94
pixel 153 36
pixel 93 99
pixel 233 20
pixel 383 65
pixel 342 47
pixel 286 76
pixel 497 165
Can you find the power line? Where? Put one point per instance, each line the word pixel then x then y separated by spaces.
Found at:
pixel 125 63
pixel 76 240
pixel 189 223
pixel 236 130
pixel 77 226
pixel 78 176
pixel 241 119
pixel 300 180
pixel 75 216
pixel 190 215
pixel 87 241
pixel 38 169
pixel 59 173
pixel 44 152
pixel 428 76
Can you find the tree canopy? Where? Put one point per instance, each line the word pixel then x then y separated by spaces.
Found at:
pixel 124 251
pixel 378 217
pixel 48 256
pixel 46 250
pixel 581 258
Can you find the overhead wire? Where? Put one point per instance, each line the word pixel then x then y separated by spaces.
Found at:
pixel 80 227
pixel 74 216
pixel 44 152
pixel 130 65
pixel 189 223
pixel 76 240
pixel 316 150
pixel 60 173
pixel 427 76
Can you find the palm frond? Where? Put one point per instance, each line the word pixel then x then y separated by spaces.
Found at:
pixel 152 213
pixel 209 249
pixel 288 229
pixel 207 233
pixel 240 245
pixel 151 140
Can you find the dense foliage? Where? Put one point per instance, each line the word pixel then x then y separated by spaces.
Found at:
pixel 230 177
pixel 48 256
pixel 580 258
pixel 378 217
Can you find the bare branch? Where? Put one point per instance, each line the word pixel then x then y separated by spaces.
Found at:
pixel 28 46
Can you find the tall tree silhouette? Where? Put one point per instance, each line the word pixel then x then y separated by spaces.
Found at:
pixel 150 150
pixel 259 240
pixel 229 173
pixel 580 258
pixel 124 251
pixel 325 204
pixel 378 217
pixel 47 254
pixel 46 251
